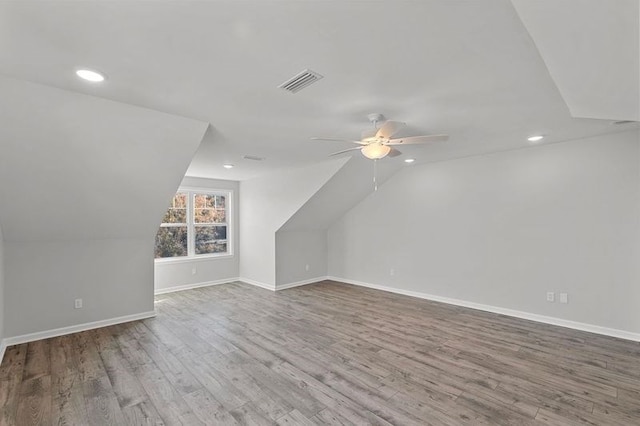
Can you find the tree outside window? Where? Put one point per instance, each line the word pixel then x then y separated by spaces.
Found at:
pixel 195 224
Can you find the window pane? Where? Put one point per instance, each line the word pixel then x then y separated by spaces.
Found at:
pixel 179 201
pixel 171 241
pixel 209 201
pixel 218 201
pixel 200 201
pixel 177 212
pixel 220 216
pixel 209 216
pixel 211 239
pixel 209 208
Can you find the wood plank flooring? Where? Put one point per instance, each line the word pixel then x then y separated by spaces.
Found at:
pixel 326 353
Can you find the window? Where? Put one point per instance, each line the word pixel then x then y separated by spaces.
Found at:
pixel 195 225
pixel 172 239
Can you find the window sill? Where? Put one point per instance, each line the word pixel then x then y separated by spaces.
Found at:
pixel 170 260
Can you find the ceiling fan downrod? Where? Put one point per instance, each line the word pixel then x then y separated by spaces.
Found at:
pixel 375 118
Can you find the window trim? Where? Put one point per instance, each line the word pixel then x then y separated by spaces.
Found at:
pixel 191 256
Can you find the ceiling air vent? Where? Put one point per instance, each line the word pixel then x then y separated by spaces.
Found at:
pixel 300 81
pixel 252 157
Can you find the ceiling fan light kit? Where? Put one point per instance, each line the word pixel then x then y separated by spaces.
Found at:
pixel 375 151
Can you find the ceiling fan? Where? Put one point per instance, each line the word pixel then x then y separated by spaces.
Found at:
pixel 378 143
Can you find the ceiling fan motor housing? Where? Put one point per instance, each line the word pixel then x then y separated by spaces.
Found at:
pixel 375 117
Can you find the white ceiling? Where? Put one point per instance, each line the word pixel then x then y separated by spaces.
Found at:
pixel 466 68
pixel 591 51
pixel 346 188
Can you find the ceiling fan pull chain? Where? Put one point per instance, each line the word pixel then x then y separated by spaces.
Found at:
pixel 375 169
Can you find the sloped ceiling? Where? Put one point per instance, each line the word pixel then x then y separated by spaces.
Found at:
pixel 345 189
pixel 466 68
pixel 591 48
pixel 266 203
pixel 74 166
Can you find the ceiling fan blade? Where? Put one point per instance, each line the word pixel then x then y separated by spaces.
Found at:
pixel 344 150
pixel 389 128
pixel 394 153
pixel 338 140
pixel 413 140
pixel 369 133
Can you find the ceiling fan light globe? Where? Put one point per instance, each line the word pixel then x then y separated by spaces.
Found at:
pixel 375 151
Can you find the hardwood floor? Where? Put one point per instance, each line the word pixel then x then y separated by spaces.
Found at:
pixel 326 353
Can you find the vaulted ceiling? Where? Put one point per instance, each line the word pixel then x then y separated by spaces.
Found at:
pixel 487 73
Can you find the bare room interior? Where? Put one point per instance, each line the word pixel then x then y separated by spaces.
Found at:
pixel 392 212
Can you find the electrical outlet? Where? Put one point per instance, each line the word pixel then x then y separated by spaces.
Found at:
pixel 78 303
pixel 306 267
pixel 564 298
pixel 392 272
pixel 194 271
pixel 551 296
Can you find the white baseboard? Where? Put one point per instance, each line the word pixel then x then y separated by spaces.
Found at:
pixel 281 286
pixel 3 348
pixel 258 283
pixel 241 279
pixel 299 283
pixel 25 338
pixel 196 285
pixel 612 332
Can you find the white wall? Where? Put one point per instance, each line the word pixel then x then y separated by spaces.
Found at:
pixel 302 240
pixel 79 167
pixel 170 274
pixel 114 277
pixel 569 34
pixel 2 306
pixel 266 203
pixel 84 183
pixel 503 229
pixel 297 249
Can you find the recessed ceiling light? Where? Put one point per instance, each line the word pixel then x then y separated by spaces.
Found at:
pixel 228 166
pixel 535 138
pixel 89 75
pixel 409 160
pixel 252 157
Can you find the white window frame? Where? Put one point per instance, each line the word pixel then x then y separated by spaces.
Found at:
pixel 191 240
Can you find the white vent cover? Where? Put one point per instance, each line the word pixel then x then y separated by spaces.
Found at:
pixel 300 81
pixel 252 157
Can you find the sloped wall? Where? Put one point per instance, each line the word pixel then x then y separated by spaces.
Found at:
pixel 346 188
pixel 301 243
pixel 266 203
pixel 503 229
pixel 592 51
pixel 84 183
pixel 2 308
